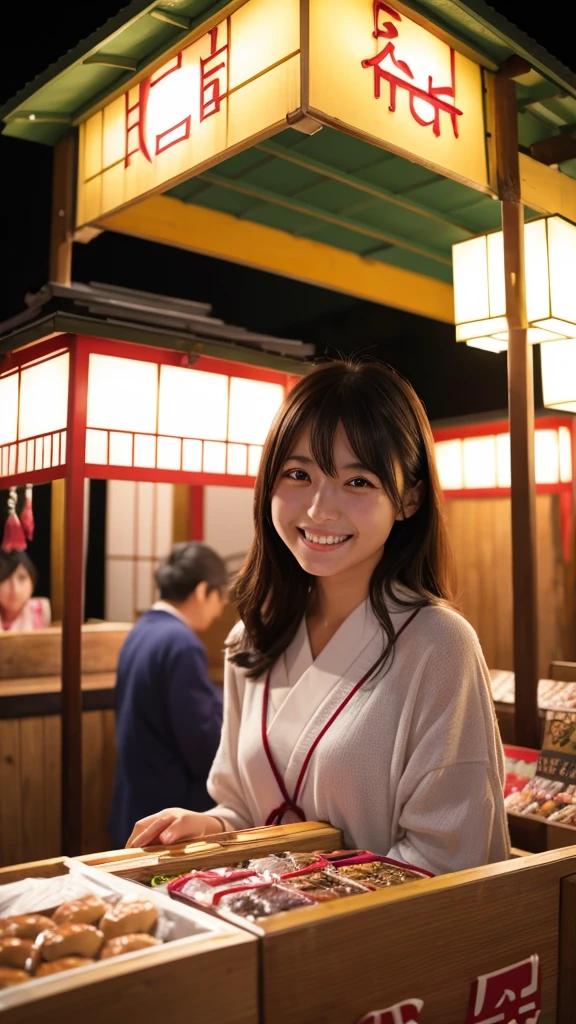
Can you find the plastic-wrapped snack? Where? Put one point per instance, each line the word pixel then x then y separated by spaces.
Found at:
pixel 278 864
pixel 378 872
pixel 204 887
pixel 323 885
pixel 540 796
pixel 263 901
pixel 341 854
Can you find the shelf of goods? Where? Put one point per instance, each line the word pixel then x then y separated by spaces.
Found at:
pixel 333 961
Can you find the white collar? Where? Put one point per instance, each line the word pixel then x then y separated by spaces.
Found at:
pixel 165 606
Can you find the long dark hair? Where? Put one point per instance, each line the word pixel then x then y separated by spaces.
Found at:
pixel 385 423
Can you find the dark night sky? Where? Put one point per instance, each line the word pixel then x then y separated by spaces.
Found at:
pixel 452 380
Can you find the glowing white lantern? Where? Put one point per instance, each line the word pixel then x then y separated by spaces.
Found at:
pixel 559 374
pixel 479 285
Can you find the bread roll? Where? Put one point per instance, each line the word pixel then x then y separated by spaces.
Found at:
pixel 14 952
pixel 127 944
pixel 87 910
pixel 128 918
pixel 65 963
pixel 24 926
pixel 69 940
pixel 11 976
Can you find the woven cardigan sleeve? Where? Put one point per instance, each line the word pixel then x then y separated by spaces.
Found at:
pixel 450 797
pixel 224 783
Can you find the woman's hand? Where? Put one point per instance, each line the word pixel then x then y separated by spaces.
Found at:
pixel 173 825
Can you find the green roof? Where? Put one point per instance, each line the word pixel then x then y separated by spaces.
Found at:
pixel 346 193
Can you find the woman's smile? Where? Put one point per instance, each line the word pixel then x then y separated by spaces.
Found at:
pixel 317 540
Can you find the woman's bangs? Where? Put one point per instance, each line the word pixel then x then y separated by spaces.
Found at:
pixel 364 431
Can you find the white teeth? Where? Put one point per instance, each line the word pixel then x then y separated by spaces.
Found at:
pixel 324 538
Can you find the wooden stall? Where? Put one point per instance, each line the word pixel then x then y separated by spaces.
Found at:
pixel 473 456
pixel 426 940
pixel 128 394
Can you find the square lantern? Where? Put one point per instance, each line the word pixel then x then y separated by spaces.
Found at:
pixel 479 285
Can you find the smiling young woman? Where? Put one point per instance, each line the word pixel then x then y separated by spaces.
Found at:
pixel 354 692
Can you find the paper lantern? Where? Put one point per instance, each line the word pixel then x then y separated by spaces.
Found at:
pixel 479 286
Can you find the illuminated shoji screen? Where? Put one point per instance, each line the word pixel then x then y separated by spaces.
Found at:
pixel 165 417
pixel 139 534
pixel 33 412
pixel 483 462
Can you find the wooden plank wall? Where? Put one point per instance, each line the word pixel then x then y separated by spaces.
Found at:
pixel 30 785
pixel 481 538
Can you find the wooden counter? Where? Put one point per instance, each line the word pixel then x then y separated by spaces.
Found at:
pixel 430 939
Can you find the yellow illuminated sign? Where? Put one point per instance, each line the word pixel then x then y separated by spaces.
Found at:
pixel 379 75
pixel 366 69
pixel 230 87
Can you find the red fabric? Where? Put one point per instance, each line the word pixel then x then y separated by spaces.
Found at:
pixel 291 802
pixel 13 539
pixel 27 519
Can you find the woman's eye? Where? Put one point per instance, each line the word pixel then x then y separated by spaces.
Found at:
pixel 297 474
pixel 359 481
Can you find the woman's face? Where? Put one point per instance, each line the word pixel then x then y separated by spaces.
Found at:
pixel 15 592
pixel 332 525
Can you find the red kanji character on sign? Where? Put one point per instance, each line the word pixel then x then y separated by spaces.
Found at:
pixel 407 1012
pixel 429 100
pixel 137 115
pixel 213 72
pixel 508 996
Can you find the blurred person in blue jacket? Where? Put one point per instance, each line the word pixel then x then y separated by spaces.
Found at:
pixel 168 712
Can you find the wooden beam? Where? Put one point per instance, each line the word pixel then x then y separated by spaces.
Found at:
pixel 546 189
pixel 172 222
pixel 62 224
pixel 73 602
pixel 181 513
pixel 554 150
pixel 57 549
pixel 521 415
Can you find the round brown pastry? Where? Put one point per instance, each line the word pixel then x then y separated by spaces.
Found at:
pixel 128 918
pixel 24 926
pixel 14 952
pixel 128 944
pixel 65 963
pixel 87 910
pixel 69 940
pixel 11 976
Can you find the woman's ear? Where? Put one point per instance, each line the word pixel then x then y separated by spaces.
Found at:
pixel 412 500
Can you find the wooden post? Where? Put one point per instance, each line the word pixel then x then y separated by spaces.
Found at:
pixel 196 520
pixel 73 602
pixel 57 549
pixel 521 416
pixel 62 225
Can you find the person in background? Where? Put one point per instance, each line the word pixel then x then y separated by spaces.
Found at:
pixel 168 712
pixel 18 609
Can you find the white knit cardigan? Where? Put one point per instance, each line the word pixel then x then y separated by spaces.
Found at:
pixel 413 767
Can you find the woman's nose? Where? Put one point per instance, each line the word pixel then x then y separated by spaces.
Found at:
pixel 324 507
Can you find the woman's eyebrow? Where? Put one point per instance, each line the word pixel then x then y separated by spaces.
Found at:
pixel 304 459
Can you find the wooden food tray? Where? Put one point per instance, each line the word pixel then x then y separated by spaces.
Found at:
pixel 166 982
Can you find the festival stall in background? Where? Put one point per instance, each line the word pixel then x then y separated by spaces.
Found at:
pixel 101 385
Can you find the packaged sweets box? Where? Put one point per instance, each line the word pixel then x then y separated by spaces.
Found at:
pixel 251 891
